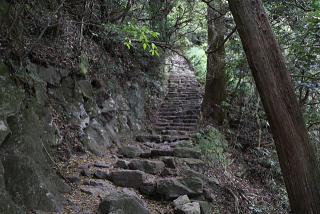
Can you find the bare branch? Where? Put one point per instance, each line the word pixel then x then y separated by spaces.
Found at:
pixel 224 41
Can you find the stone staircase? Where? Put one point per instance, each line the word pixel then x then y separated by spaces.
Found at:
pixel 180 111
pixel 160 173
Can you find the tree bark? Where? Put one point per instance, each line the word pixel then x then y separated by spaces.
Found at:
pixel 215 88
pixel 295 151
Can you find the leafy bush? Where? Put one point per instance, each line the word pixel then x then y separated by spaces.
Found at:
pixel 198 59
pixel 213 146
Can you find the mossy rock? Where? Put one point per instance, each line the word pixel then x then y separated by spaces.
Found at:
pixel 7 206
pixel 10 95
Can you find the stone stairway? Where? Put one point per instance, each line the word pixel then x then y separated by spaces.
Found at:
pixel 160 173
pixel 180 111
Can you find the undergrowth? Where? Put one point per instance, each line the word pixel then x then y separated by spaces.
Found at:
pixel 213 146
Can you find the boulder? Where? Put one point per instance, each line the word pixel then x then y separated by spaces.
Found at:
pixel 168 161
pixel 186 152
pixel 127 178
pixel 50 74
pixel 98 138
pixel 189 208
pixel 30 179
pixel 122 203
pixel 102 174
pixel 205 207
pixel 184 199
pixel 161 152
pixel 169 172
pixel 170 188
pixel 148 189
pixel 195 164
pixel 102 164
pixel 151 167
pixel 130 151
pixel 123 164
pixel 149 138
pixel 6 204
pixel 4 130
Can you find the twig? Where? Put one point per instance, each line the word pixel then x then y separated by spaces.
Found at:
pixel 49 25
pixel 45 149
pixel 236 200
pixel 213 8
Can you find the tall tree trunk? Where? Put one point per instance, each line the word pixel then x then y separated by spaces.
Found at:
pixel 215 88
pixel 296 154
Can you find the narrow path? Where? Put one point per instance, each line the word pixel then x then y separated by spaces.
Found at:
pixel 180 111
pixel 148 175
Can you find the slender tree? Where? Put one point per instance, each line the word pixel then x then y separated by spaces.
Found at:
pixel 215 88
pixel 296 154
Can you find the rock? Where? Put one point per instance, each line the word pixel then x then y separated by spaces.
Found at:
pixel 122 164
pixel 161 152
pixel 193 163
pixel 29 176
pixel 122 203
pixel 151 167
pixel 11 96
pixel 186 152
pixel 205 207
pixel 146 154
pixel 102 164
pixel 127 178
pixel 102 174
pixel 181 200
pixel 168 172
pixel 95 183
pixel 130 151
pixel 73 179
pixel 86 212
pixel 50 75
pixel 136 100
pixel 25 182
pixel 149 138
pixel 4 130
pixel 96 191
pixel 85 172
pixel 171 188
pixel 184 143
pixel 85 88
pixel 6 203
pixel 168 161
pixel 148 188
pixel 189 208
pixel 98 137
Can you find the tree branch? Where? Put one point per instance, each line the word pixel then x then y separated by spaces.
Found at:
pixel 224 41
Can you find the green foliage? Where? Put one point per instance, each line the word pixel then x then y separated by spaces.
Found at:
pixel 132 33
pixel 198 59
pixel 314 16
pixel 213 146
pixel 83 63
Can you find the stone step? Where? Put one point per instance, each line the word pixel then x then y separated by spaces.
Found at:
pixel 174 124
pixel 191 121
pixel 181 128
pixel 180 115
pixel 191 117
pixel 173 132
pixel 161 138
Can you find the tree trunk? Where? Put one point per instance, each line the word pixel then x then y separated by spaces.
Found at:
pixel 296 154
pixel 215 88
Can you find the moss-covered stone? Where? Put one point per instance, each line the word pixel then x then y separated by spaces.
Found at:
pixel 10 95
pixel 4 129
pixel 29 177
pixel 7 206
